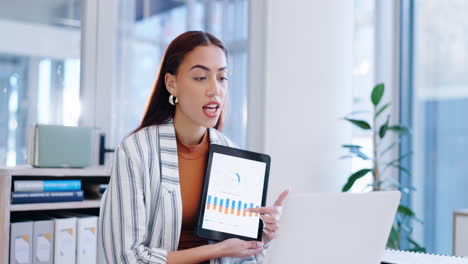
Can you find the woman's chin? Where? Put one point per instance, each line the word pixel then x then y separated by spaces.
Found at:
pixel 210 123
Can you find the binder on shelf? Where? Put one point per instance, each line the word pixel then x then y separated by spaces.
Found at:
pixel 21 233
pixel 46 185
pixel 86 238
pixel 101 259
pixel 55 146
pixel 43 239
pixel 46 197
pixel 64 238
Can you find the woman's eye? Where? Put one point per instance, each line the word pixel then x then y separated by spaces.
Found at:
pixel 222 78
pixel 199 78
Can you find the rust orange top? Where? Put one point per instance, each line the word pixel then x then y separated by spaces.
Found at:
pixel 192 165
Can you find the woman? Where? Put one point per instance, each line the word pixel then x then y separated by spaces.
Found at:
pixel 148 212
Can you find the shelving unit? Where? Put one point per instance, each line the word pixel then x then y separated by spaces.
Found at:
pixel 7 177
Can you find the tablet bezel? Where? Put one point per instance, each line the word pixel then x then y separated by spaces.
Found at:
pixel 245 154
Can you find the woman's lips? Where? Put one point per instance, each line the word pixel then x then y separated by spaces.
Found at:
pixel 211 110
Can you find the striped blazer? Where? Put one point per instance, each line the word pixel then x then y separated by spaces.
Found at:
pixel 141 211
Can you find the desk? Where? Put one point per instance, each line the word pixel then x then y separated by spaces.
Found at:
pixel 460 232
pixel 405 257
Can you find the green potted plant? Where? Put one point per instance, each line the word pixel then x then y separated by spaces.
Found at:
pixel 380 128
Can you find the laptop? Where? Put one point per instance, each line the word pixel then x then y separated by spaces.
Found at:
pixel 334 228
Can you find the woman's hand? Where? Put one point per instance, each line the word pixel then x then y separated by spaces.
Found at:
pixel 270 216
pixel 238 248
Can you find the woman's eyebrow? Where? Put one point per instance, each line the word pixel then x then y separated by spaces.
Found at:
pixel 206 68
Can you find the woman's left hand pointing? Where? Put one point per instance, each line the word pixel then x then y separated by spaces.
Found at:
pixel 270 216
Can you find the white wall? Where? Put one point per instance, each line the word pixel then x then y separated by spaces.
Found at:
pixel 305 89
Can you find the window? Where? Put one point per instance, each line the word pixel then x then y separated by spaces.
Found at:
pixel 439 106
pixel 145 30
pixel 363 82
pixel 42 80
pixel 39 70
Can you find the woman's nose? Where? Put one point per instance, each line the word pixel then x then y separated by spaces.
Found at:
pixel 214 88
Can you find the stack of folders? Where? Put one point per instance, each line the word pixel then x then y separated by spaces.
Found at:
pixel 46 191
pixel 54 238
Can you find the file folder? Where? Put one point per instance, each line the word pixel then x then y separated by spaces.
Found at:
pixel 43 240
pixel 64 239
pixel 21 242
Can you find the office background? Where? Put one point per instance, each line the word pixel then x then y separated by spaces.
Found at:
pixel 297 67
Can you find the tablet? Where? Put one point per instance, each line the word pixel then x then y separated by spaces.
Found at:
pixel 235 180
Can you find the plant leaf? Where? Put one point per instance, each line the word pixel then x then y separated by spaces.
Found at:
pixel 402 157
pixel 356 150
pixel 382 109
pixel 383 128
pixel 405 211
pixel 405 170
pixel 377 93
pixel 399 129
pixel 389 147
pixel 406 189
pixel 397 185
pixel 353 178
pixel 360 123
pixel 420 250
pixel 359 153
pixel 351 146
pixel 408 229
pixel 393 239
pixel 418 220
pixel 417 247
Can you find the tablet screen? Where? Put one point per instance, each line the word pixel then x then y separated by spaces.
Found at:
pixel 235 185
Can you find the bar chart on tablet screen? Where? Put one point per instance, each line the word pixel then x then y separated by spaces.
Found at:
pixel 235 185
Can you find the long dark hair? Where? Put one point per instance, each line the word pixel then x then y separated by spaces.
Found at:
pixel 158 109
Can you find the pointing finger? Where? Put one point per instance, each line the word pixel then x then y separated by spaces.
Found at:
pixel 281 197
pixel 264 210
pixel 268 219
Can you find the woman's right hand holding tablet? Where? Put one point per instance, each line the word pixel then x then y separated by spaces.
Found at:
pixel 233 247
pixel 238 248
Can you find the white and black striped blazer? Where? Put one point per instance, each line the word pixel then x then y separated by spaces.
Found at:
pixel 141 211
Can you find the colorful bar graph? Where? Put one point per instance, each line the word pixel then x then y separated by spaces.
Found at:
pixel 227 206
pixel 224 205
pixel 209 202
pixel 233 205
